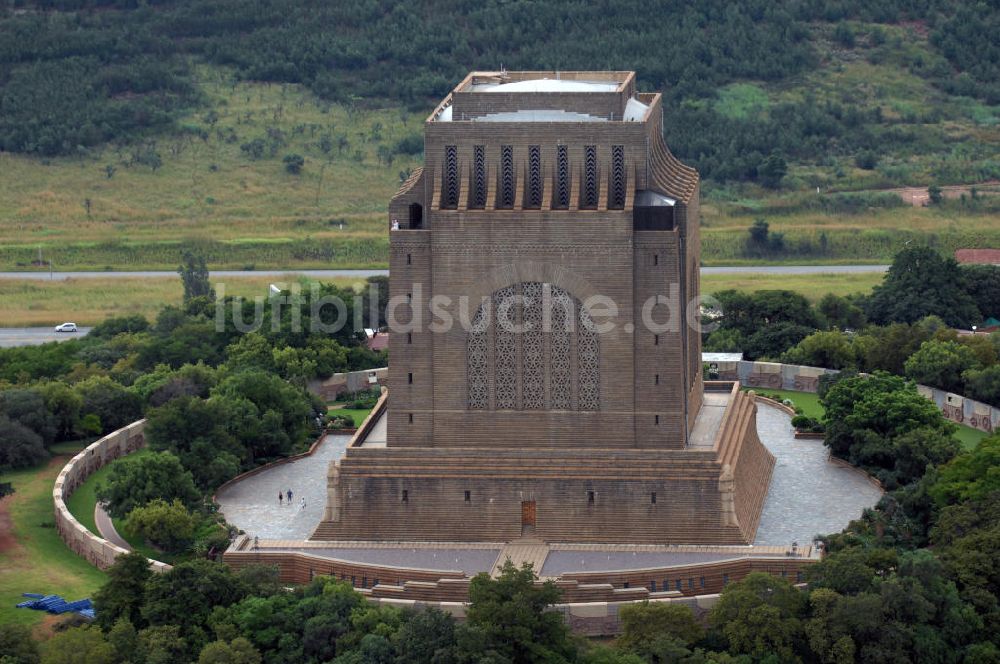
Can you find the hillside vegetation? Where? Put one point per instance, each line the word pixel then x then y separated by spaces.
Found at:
pixel 126 130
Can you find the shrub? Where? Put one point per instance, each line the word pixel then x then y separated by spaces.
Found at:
pixel 168 525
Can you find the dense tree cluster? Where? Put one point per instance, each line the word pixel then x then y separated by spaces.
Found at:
pixel 79 73
pixel 906 327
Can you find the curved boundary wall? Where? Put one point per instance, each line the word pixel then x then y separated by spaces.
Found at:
pixel 776 376
pixel 95 549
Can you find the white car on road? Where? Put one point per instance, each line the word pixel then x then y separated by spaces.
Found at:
pixel 66 327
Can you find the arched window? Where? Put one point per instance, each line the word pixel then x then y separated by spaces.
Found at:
pixel 533 346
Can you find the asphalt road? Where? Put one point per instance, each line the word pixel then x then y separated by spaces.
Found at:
pixel 33 336
pixel 362 274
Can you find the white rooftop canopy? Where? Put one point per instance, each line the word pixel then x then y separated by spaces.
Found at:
pixel 546 85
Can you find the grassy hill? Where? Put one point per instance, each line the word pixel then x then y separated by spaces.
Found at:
pixel 855 104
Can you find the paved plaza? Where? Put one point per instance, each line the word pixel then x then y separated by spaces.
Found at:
pixel 809 495
pixel 252 504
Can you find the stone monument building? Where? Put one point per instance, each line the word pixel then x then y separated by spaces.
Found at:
pixel 554 228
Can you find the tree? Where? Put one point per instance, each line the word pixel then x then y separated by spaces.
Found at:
pixel 168 525
pixel 17 645
pixel 832 350
pixel 125 641
pixel 194 274
pixel 866 418
pixel 772 340
pixel 760 616
pixel 507 619
pixel 27 408
pixel 203 434
pixel 935 195
pixel 940 364
pixel 920 283
pixel 771 170
pixel 983 285
pixel 426 636
pixel 122 595
pixel 646 625
pixel 840 313
pixel 237 651
pixel 294 163
pixel 64 403
pixel 970 476
pixel 135 480
pixel 163 644
pixel 185 596
pixel 113 403
pixel 78 645
pixel 983 385
pixel 20 447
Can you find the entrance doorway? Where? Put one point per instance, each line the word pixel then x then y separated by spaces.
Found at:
pixel 527 517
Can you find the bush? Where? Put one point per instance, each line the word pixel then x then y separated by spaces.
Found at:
pixel 167 525
pixel 294 163
pixel 136 480
pixel 20 447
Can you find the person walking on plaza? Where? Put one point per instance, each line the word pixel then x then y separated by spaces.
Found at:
pixel 289 496
pixel 280 496
pixel 303 503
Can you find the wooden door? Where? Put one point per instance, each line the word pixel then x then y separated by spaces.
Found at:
pixel 528 513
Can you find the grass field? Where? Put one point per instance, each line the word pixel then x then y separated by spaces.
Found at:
pixel 810 405
pixel 813 286
pixel 38 560
pixel 25 303
pixel 222 187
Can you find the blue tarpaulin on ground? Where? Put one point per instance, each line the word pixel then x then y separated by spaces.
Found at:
pixel 56 604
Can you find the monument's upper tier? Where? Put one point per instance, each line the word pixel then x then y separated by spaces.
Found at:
pixel 545 96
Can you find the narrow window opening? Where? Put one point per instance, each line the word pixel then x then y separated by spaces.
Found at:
pixel 406 496
pixel 677 584
pixel 409 337
pixel 450 193
pixel 468 496
pixel 656 340
pixel 409 297
pixel 656 259
pixel 725 579
pixel 410 416
pixel 656 419
pixel 617 188
pixel 562 178
pixel 409 259
pixel 506 198
pixel 652 498
pixel 590 192
pixel 409 378
pixel 416 216
pixel 652 586
pixel 625 585
pixel 534 197
pixel 590 497
pixel 701 582
pixel 657 381
pixel 478 177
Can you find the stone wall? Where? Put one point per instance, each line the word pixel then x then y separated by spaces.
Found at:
pixel 97 550
pixel 776 376
pixel 352 381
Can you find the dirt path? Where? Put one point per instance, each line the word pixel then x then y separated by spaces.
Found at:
pixel 7 540
pixel 918 196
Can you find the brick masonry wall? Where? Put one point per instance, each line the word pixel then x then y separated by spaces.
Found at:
pixel 95 549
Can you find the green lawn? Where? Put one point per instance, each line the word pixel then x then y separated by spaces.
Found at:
pixel 807 401
pixel 356 414
pixel 39 561
pixel 810 405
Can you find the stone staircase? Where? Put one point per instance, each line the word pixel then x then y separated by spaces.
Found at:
pixel 520 551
